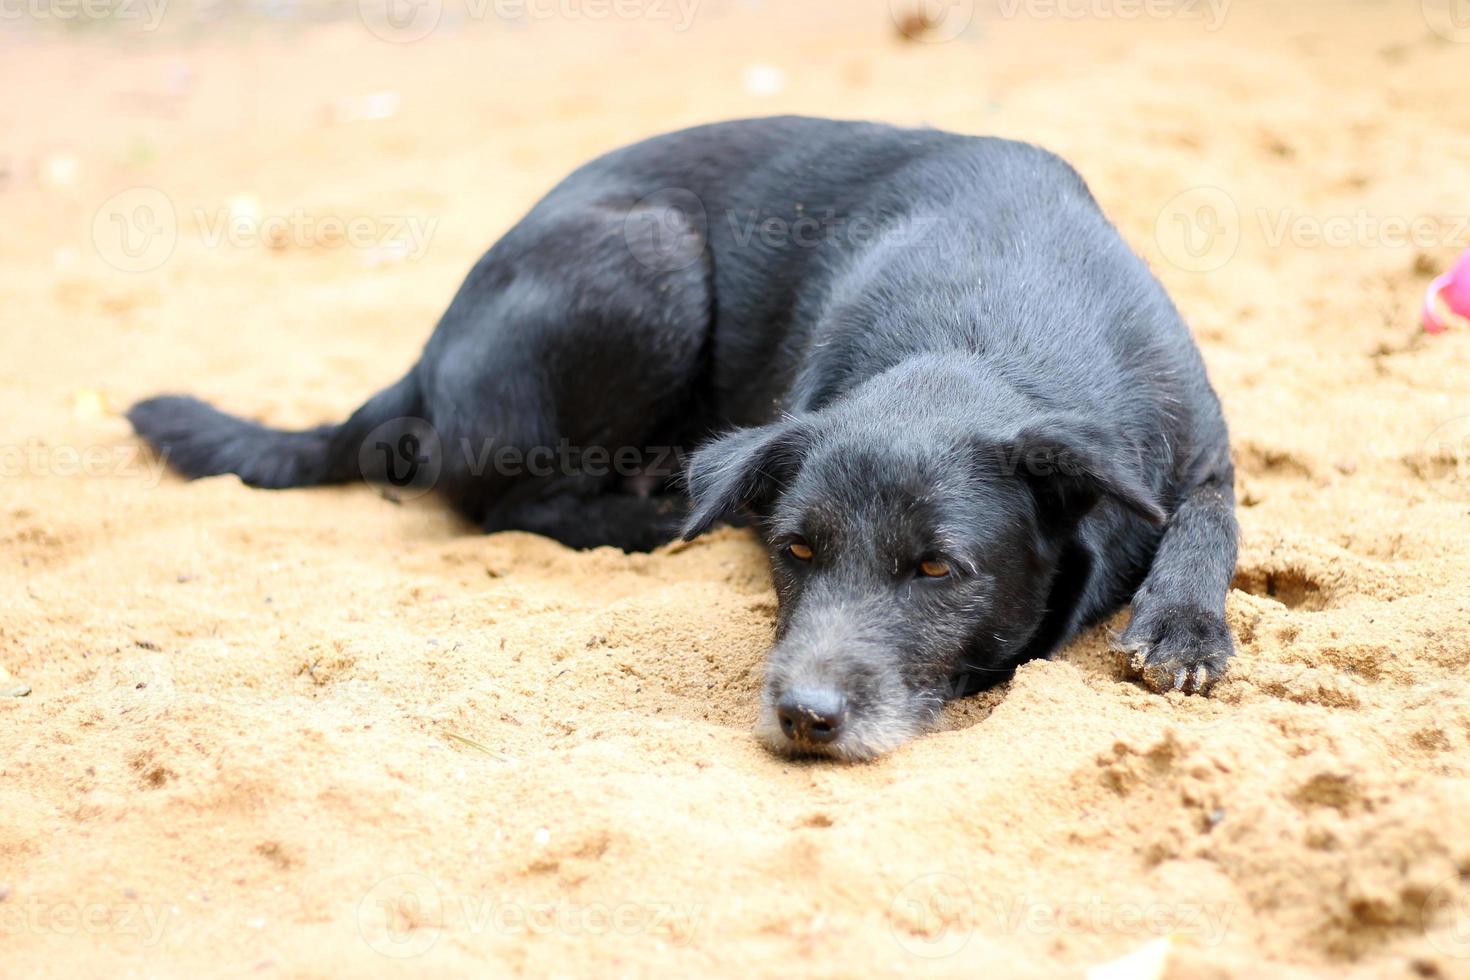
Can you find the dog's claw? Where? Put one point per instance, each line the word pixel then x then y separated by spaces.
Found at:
pixel 1177 648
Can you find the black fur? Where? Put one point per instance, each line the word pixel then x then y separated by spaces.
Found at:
pixel 887 346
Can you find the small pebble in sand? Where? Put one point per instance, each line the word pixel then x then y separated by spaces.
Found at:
pixel 60 170
pixel 543 836
pixel 763 80
pixel 15 691
pixel 89 404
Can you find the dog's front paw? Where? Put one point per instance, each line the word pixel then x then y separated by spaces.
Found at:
pixel 1177 648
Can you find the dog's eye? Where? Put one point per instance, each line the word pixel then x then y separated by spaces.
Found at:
pixel 800 550
pixel 933 568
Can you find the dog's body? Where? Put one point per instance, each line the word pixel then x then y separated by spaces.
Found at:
pixel 966 419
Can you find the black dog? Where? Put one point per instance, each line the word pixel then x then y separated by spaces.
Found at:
pixel 965 418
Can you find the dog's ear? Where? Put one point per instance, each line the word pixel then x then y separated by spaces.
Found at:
pixel 742 470
pixel 1070 465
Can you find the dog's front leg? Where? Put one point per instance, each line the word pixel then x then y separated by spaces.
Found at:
pixel 1177 638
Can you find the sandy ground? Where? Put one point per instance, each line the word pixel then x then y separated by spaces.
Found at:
pixel 317 734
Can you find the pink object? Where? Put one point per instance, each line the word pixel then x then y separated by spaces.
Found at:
pixel 1454 288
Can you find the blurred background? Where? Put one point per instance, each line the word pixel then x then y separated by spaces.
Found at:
pixel 212 154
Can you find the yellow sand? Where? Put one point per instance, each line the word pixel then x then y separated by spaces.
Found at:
pixel 317 734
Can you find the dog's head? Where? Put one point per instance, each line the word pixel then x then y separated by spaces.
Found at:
pixel 912 552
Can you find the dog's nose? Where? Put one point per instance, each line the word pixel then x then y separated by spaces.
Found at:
pixel 811 714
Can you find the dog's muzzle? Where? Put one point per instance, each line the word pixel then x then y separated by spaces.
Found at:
pixel 833 687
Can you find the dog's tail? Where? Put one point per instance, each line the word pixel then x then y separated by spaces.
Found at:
pixel 197 440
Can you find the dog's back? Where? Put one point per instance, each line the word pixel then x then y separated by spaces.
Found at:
pixel 783 243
